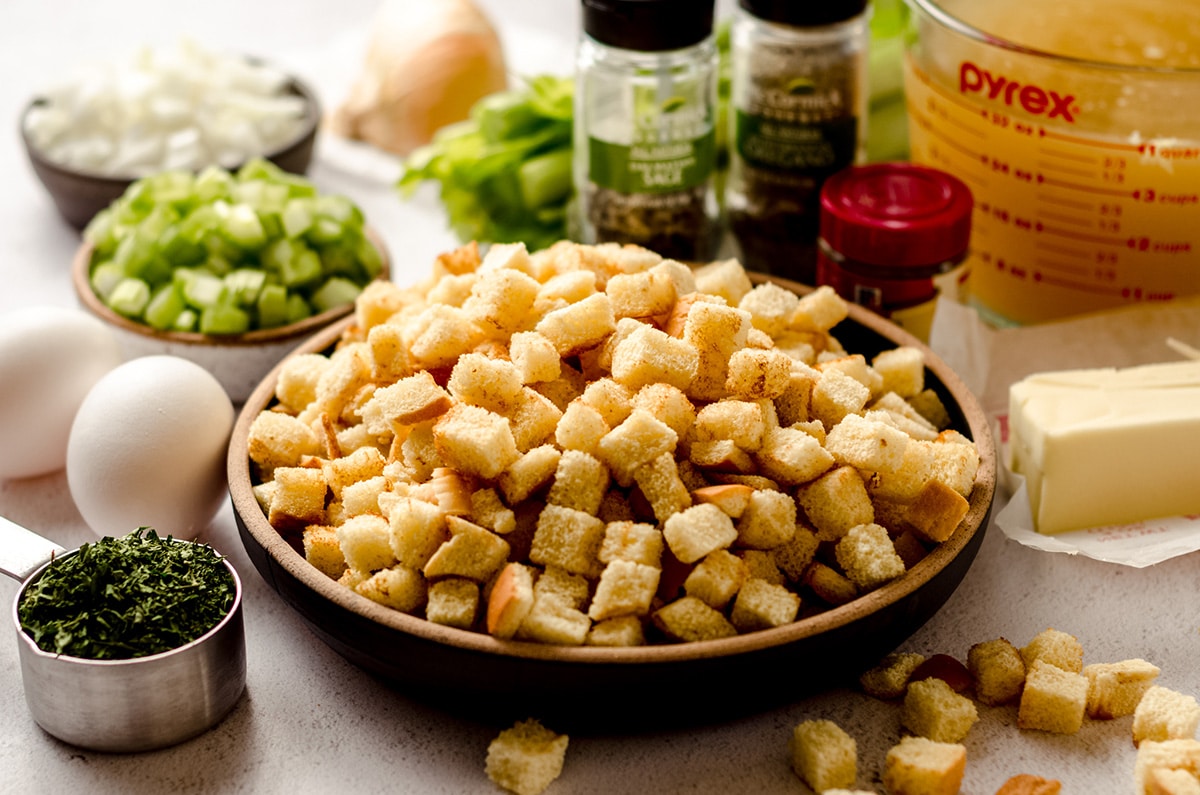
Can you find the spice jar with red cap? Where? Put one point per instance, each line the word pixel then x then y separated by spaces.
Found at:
pixel 894 235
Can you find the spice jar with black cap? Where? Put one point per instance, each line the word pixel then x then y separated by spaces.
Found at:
pixel 798 115
pixel 645 112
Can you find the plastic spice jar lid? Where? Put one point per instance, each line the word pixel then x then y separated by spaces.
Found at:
pixel 648 25
pixel 801 14
pixel 896 215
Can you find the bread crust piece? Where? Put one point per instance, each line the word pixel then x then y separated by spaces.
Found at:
pixel 1053 700
pixel 1026 784
pixel 920 766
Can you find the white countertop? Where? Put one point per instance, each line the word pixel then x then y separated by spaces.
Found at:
pixel 310 721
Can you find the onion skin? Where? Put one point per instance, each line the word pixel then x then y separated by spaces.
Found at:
pixel 427 64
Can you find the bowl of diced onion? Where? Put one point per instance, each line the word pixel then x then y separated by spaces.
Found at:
pixel 89 136
pixel 230 270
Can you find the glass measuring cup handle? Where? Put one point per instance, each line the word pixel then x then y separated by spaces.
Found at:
pixel 22 552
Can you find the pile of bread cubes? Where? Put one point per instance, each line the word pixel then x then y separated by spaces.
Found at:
pixel 596 445
pixel 1053 691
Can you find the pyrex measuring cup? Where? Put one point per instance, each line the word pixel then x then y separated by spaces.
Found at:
pixel 137 704
pixel 1084 166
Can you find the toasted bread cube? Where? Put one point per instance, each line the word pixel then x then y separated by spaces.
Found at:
pixel 363 496
pixel 955 462
pixel 612 399
pixel 901 481
pixel 562 289
pixel 451 289
pixel 719 455
pixel 551 620
pixel 762 605
pixel 716 579
pixel 889 679
pixel 644 294
pixel 625 588
pixel 662 487
pixel 1155 756
pixel 669 404
pixel 459 261
pixel 296 385
pixel 632 541
pixel 820 310
pixel 936 511
pixel 298 499
pixel 835 502
pixel 397 587
pixel 998 671
pixel 1115 689
pixel 475 441
pixel 568 538
pixel 580 482
pixel 739 421
pixel 557 582
pixel 866 444
pixel 378 301
pixel 352 578
pixel 828 584
pixel 276 439
pixel 472 551
pixel 770 306
pixel 732 498
pixel 453 602
pixel 533 420
pixel 792 457
pixel 416 530
pixel 689 619
pixel 932 709
pixel 794 404
pixel 756 374
pixel 578 326
pixel 439 334
pixel 501 300
pixel 581 428
pixel 513 256
pixel 638 440
pixel 409 401
pixel 322 550
pixel 726 278
pixel 1058 648
pixel 768 522
pixel 510 600
pixel 534 357
pixel 794 556
pixel 479 380
pixel 419 452
pixel 1053 700
pixel 899 407
pixel 528 473
pixel 902 369
pixel 526 758
pixel 716 332
pixel 348 371
pixel 362 464
pixel 562 390
pixel 650 356
pixel 823 755
pixel 622 631
pixel 854 365
pixel 1172 782
pixel 488 510
pixel 1164 714
pixel 760 564
pixel 697 531
pixel 920 766
pixel 929 405
pixel 867 556
pixel 835 395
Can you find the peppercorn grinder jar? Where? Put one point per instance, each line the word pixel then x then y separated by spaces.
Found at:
pixel 128 705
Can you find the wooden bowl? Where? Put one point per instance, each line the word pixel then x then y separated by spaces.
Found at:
pixel 238 361
pixel 625 689
pixel 79 194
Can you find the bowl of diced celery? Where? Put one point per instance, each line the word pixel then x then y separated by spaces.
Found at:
pixel 231 270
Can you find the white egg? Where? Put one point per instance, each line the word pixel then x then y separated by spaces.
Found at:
pixel 148 446
pixel 50 357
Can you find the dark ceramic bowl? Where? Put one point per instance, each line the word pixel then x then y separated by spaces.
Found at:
pixel 79 195
pixel 626 689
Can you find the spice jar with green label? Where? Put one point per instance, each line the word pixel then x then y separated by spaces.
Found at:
pixel 799 109
pixel 645 111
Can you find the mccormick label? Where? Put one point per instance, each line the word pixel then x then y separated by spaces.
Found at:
pixel 1033 99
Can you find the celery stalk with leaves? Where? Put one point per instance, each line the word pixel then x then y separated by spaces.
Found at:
pixel 504 174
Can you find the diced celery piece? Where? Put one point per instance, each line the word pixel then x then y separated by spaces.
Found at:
pixel 224 319
pixel 340 259
pixel 297 217
pixel 325 230
pixel 259 168
pixel 272 224
pixel 336 291
pixel 187 320
pixel 105 277
pixel 369 257
pixel 177 249
pixel 202 290
pixel 302 269
pixel 297 308
pixel 276 254
pixel 243 285
pixel 164 307
pixel 340 209
pixel 243 227
pixel 211 184
pixel 198 223
pixel 129 297
pixel 272 306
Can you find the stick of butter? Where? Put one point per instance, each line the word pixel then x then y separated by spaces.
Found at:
pixel 1106 446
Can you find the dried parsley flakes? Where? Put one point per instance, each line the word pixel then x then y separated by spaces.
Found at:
pixel 120 598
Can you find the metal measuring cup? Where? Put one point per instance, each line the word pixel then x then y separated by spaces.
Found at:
pixel 137 704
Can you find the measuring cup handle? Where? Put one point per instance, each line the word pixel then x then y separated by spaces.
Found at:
pixel 22 552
